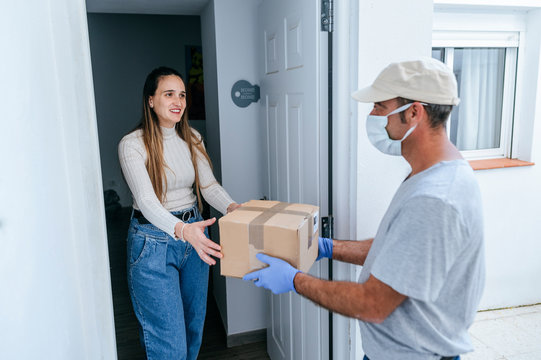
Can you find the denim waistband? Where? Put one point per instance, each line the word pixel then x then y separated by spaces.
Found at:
pixel 184 215
pixel 193 209
pixel 152 229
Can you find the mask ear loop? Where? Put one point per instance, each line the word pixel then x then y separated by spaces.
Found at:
pixel 399 110
pixel 404 107
pixel 408 132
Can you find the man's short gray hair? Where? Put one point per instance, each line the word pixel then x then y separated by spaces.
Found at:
pixel 437 114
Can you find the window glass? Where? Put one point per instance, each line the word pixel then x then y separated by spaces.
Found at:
pixel 476 123
pixel 437 53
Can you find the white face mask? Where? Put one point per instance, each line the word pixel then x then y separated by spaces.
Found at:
pixel 378 136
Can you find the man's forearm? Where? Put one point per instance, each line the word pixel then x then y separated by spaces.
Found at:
pixel 371 302
pixel 353 252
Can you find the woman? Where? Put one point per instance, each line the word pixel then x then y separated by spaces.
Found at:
pixel 164 163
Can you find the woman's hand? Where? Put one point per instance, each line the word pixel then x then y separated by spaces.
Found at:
pixel 194 233
pixel 233 207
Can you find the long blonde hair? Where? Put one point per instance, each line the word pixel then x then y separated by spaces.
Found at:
pixel 153 139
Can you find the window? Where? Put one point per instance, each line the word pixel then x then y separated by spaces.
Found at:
pixel 485 65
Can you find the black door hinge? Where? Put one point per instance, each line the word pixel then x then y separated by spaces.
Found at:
pixel 327 225
pixel 327 16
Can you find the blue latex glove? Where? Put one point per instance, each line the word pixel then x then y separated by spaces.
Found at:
pixel 325 248
pixel 277 277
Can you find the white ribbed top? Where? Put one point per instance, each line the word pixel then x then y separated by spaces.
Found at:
pixel 180 176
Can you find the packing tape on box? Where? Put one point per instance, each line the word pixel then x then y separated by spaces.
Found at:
pixel 255 227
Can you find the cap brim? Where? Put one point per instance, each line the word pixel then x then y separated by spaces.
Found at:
pixel 371 95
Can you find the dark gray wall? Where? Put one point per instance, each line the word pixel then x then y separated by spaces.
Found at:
pixel 124 49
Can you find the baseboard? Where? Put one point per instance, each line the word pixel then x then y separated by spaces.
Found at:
pixel 246 338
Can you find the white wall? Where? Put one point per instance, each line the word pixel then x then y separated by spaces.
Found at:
pixel 240 142
pixel 511 196
pixel 389 31
pixel 208 39
pixel 512 199
pixel 56 299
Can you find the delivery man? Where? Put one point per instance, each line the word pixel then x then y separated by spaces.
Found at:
pixel 423 273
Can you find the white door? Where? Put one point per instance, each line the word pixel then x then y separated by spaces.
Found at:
pixel 294 101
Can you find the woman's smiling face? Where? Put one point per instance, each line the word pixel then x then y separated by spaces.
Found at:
pixel 169 100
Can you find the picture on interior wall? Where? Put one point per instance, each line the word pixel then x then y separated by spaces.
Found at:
pixel 194 71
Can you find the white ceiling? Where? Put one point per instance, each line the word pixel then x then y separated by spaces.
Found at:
pixel 162 7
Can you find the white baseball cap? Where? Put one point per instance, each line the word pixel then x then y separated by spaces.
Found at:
pixel 427 80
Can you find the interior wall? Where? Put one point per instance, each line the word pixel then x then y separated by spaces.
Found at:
pixel 241 139
pixel 56 298
pixel 124 49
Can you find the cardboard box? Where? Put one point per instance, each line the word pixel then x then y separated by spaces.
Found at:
pixel 287 231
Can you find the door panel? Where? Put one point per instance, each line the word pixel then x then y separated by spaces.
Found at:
pixel 271 55
pixel 271 113
pixel 294 150
pixel 292 88
pixel 280 332
pixel 293 34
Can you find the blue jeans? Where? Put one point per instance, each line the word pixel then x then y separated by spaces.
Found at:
pixel 168 287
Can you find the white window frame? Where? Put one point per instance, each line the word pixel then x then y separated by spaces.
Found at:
pixel 509 40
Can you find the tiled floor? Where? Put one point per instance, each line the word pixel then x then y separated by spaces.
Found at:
pixel 510 334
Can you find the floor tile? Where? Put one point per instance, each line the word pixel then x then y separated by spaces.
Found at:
pixel 530 356
pixel 505 337
pixel 531 323
pixel 481 352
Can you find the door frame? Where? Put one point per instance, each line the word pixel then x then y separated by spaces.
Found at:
pixel 345 54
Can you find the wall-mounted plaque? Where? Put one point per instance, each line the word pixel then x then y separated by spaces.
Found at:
pixel 243 93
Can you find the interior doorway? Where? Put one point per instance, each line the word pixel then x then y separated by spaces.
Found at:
pixel 124 49
pixel 237 135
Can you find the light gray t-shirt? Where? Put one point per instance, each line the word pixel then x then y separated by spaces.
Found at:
pixel 429 247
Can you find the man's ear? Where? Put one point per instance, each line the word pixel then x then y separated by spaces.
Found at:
pixel 417 111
